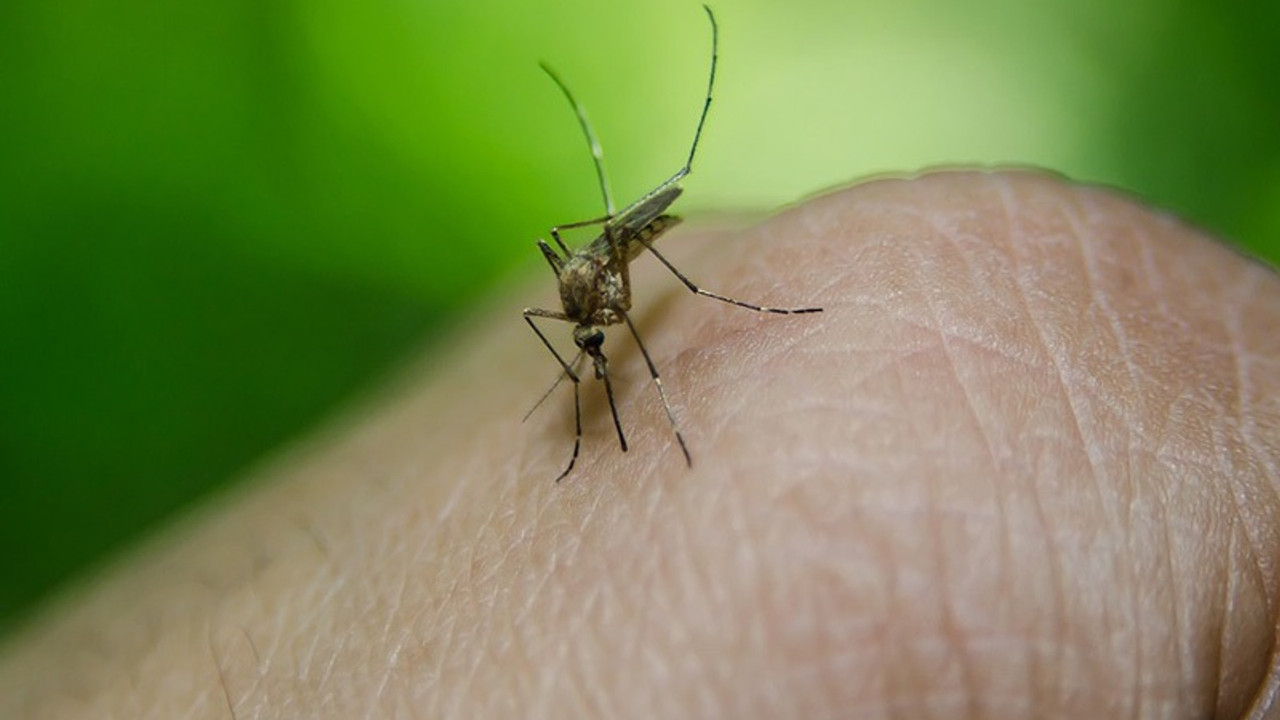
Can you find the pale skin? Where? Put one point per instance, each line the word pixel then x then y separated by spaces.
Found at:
pixel 1024 464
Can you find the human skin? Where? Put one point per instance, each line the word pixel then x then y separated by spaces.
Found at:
pixel 1024 464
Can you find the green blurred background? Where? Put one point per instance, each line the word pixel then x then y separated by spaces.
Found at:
pixel 220 219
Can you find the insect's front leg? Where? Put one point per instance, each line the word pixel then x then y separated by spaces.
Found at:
pixel 529 315
pixel 555 231
pixel 556 262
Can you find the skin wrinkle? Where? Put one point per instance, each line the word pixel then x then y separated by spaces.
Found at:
pixel 539 591
pixel 524 552
pixel 222 679
pixel 901 660
pixel 1242 358
pixel 1085 238
pixel 722 421
pixel 1155 282
pixel 765 540
pixel 949 626
pixel 309 654
pixel 1228 585
pixel 1169 556
pixel 1232 551
pixel 641 570
pixel 322 544
pixel 1090 389
pixel 1267 694
pixel 1076 379
pixel 1238 505
pixel 1265 700
pixel 1057 613
pixel 946 333
pixel 1070 378
pixel 685 581
pixel 224 683
pixel 777 596
pixel 1140 607
pixel 631 638
pixel 333 655
pixel 443 630
pixel 1194 531
pixel 327 585
pixel 1002 352
pixel 394 649
pixel 299 661
pixel 889 571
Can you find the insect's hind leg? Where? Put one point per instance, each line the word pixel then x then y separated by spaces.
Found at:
pixel 662 394
pixel 577 431
pixel 707 293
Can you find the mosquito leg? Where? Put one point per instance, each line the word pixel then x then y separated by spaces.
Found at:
pixel 583 223
pixel 555 231
pixel 602 369
pixel 577 431
pixel 576 365
pixel 707 293
pixel 556 263
pixel 529 315
pixel 657 381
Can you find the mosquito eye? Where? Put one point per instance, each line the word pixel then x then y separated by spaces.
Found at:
pixel 594 340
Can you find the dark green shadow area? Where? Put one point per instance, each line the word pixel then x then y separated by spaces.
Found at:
pixel 1197 129
pixel 140 373
pixel 202 253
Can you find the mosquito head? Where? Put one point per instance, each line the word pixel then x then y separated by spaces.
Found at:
pixel 588 338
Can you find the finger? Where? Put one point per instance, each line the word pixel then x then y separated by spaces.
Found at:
pixel 1025 464
pixel 1017 467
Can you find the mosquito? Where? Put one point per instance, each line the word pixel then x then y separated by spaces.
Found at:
pixel 595 281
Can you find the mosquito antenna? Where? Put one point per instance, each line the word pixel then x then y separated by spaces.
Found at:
pixel 559 379
pixel 711 83
pixel 597 153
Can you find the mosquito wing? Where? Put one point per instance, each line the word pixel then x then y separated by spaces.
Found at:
pixel 642 219
pixel 640 213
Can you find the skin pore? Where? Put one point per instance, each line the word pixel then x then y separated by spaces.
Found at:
pixel 1024 464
